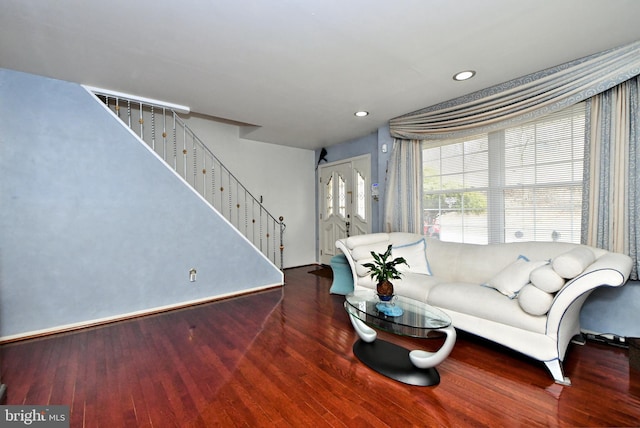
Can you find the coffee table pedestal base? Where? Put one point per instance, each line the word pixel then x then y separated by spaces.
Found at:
pixel 393 361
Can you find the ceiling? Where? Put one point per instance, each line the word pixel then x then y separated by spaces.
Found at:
pixel 295 71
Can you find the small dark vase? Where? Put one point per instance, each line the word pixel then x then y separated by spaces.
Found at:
pixel 385 290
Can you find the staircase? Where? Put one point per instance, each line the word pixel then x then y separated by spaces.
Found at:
pixel 170 138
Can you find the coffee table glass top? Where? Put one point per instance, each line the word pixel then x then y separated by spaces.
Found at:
pixel 417 319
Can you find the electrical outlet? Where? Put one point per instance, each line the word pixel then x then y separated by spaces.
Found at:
pixel 192 275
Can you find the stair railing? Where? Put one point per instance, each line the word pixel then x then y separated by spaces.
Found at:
pixel 167 135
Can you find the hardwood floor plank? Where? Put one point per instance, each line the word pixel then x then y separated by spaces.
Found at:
pixel 283 358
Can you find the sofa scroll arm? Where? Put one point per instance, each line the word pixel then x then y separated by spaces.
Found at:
pixel 610 270
pixel 342 246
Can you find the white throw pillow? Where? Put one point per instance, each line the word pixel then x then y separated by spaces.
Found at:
pixel 573 263
pixel 416 256
pixel 534 301
pixel 546 279
pixel 512 278
pixel 362 255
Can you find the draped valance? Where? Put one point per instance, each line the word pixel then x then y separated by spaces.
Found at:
pixel 522 99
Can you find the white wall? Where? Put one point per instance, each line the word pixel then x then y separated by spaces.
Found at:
pixel 283 176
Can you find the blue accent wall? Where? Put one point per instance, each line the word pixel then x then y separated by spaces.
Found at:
pixel 614 310
pixel 93 225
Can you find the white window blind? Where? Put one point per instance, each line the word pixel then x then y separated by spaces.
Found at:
pixel 519 184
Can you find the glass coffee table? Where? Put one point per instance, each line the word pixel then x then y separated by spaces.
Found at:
pixel 405 317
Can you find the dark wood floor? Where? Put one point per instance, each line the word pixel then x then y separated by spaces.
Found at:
pixel 283 358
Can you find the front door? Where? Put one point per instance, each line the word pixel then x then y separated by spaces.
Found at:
pixel 344 202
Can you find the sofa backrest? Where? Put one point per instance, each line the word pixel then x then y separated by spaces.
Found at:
pixel 454 261
pixel 361 246
pixel 478 263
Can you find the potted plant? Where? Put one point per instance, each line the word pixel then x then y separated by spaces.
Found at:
pixel 383 270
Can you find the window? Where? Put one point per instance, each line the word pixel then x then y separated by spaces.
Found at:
pixel 342 196
pixel 329 200
pixel 519 184
pixel 361 209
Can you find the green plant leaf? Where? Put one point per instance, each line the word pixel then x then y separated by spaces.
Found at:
pixel 383 269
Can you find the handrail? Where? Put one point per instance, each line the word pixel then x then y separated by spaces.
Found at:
pixel 204 172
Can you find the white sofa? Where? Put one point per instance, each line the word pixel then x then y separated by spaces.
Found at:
pixel 526 296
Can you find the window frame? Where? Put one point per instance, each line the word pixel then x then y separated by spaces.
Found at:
pixel 496 184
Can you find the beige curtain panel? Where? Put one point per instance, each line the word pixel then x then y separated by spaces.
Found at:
pixel 610 217
pixel 403 202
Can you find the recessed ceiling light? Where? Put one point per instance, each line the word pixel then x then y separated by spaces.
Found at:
pixel 464 75
pixel 361 113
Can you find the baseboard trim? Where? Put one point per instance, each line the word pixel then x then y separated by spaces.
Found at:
pixel 67 328
pixel 305 265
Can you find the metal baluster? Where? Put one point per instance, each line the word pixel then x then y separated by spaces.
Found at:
pixel 246 215
pixel 164 134
pixel 260 228
pixel 175 144
pixel 141 121
pixel 204 177
pixel 195 164
pixel 229 183
pixel 267 237
pixel 237 205
pixel 129 113
pixel 253 221
pixel 272 240
pixel 153 130
pixel 221 189
pixel 282 227
pixel 213 182
pixel 184 153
